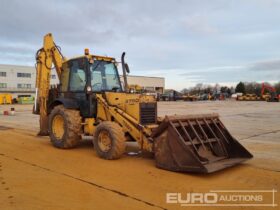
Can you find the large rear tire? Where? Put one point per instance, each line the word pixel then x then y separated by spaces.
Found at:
pixel 109 140
pixel 65 127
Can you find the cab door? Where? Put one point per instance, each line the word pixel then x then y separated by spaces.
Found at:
pixel 78 80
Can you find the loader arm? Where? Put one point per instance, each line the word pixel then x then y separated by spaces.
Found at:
pixel 46 57
pixel 139 132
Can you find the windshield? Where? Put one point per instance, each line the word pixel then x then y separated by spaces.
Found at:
pixel 104 76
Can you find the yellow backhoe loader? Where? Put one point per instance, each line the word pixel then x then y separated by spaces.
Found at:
pixel 90 101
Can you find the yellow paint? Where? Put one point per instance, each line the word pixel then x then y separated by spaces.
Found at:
pixel 135 88
pixel 129 102
pixel 123 108
pixel 89 128
pixel 58 127
pixel 248 97
pixel 5 99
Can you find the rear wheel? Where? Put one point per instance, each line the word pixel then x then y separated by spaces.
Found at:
pixel 109 140
pixel 65 127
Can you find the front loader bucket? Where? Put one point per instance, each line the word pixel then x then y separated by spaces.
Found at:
pixel 196 143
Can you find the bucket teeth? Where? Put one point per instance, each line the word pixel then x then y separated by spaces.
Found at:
pixel 196 143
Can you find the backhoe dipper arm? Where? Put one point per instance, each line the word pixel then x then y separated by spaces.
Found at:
pixel 45 58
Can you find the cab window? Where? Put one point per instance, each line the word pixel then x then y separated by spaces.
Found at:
pixel 77 77
pixel 104 77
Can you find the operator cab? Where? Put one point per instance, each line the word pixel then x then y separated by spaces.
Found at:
pixel 83 74
pixel 83 77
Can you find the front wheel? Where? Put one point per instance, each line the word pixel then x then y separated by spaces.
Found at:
pixel 65 127
pixel 109 140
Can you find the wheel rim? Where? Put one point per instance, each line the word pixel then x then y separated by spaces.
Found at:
pixel 104 141
pixel 58 127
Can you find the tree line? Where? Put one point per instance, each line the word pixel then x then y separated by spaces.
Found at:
pixel 241 87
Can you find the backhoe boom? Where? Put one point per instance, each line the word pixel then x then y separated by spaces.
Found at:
pixel 45 58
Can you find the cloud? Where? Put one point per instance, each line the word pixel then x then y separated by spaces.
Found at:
pixel 269 65
pixel 199 24
pixel 183 40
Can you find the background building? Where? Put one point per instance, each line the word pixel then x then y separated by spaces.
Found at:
pixel 153 84
pixel 20 80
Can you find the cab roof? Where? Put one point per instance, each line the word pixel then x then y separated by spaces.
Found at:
pixel 94 57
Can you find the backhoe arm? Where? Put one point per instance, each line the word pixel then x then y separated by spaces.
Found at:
pixel 45 58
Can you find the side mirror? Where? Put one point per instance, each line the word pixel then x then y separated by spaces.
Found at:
pixel 127 68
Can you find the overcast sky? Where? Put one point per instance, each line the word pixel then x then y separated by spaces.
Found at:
pixel 185 41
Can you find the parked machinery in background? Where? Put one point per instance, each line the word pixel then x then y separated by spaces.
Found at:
pixel 24 99
pixel 248 97
pixel 271 95
pixel 5 98
pixel 135 88
pixel 171 95
pixel 189 97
